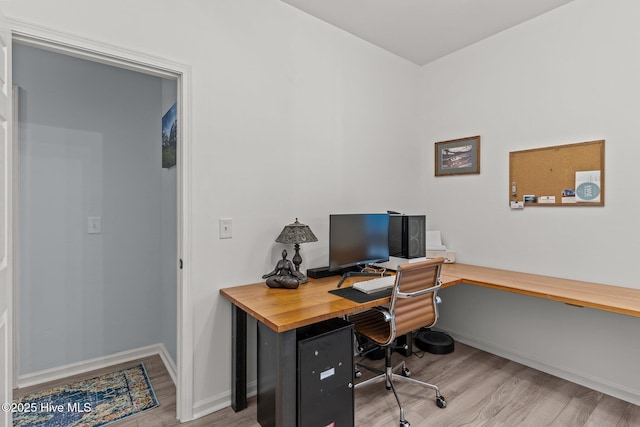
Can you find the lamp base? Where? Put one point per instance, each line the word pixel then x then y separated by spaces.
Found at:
pixel 297 260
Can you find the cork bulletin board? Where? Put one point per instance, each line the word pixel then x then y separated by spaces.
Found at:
pixel 562 175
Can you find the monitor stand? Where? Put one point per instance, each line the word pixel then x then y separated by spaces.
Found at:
pixel 359 274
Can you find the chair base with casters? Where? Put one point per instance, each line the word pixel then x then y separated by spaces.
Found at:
pixel 389 375
pixel 413 305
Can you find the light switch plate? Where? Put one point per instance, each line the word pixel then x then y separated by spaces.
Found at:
pixel 226 228
pixel 94 225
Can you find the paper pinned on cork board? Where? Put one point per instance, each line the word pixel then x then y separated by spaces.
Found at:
pixel 588 186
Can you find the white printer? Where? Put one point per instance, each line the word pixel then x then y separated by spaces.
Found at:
pixel 436 249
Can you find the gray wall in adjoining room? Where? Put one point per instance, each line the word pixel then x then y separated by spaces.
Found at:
pixel 90 146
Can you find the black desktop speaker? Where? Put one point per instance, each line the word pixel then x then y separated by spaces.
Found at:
pixel 407 236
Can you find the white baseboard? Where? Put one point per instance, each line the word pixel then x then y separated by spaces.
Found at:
pixel 598 384
pixel 5 365
pixel 220 401
pixel 168 363
pixel 84 366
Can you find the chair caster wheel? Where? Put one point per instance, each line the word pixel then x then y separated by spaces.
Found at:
pixel 406 372
pixel 441 402
pixel 357 373
pixel 405 424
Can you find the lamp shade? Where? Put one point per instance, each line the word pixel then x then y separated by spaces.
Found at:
pixel 296 233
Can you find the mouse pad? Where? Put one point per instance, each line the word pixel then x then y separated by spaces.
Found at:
pixel 358 296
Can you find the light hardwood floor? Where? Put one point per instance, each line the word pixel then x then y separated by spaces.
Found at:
pixel 481 390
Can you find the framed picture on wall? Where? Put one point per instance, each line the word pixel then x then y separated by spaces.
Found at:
pixel 169 137
pixel 458 156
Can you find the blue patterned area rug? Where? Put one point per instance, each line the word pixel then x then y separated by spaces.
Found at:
pixel 89 403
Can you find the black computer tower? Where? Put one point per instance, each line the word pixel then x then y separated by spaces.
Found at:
pixel 407 236
pixel 325 374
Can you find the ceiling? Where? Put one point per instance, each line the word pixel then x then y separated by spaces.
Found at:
pixel 424 30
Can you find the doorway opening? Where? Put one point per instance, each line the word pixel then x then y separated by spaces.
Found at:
pixel 104 210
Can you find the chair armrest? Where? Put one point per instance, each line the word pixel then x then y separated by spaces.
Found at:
pixel 385 313
pixel 419 293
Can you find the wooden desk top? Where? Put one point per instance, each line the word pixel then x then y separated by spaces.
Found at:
pixel 616 299
pixel 286 309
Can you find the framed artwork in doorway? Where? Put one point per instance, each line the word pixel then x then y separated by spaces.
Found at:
pixel 169 137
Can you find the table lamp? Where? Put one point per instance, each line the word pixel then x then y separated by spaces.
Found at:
pixel 296 233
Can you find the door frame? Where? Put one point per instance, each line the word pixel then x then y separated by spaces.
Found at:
pixel 43 38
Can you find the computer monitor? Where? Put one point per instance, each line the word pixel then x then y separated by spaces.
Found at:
pixel 357 240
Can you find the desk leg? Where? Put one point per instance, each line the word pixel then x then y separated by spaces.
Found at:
pixel 277 377
pixel 239 358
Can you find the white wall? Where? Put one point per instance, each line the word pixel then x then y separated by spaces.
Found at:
pixel 566 77
pixel 294 118
pixel 90 147
pixel 291 118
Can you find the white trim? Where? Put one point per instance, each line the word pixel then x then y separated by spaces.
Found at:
pixel 81 47
pixel 54 40
pixel 16 225
pixel 6 317
pixel 184 388
pixel 5 367
pixel 85 366
pixel 168 363
pixel 594 383
pixel 220 401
